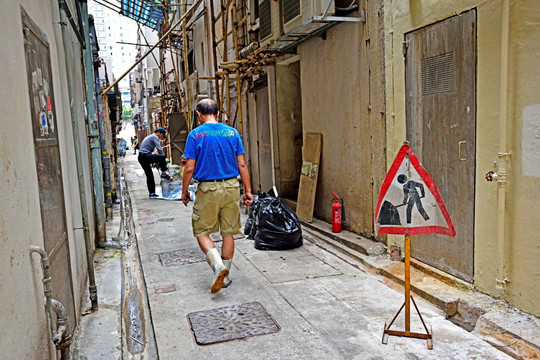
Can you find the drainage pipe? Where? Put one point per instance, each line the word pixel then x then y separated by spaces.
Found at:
pixel 64 340
pixel 69 18
pixel 92 126
pixel 502 170
pixel 78 158
pixel 57 312
pixel 47 288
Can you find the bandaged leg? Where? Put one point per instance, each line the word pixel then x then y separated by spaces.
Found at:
pixel 227 281
pixel 213 259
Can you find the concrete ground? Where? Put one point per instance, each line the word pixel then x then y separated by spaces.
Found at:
pixel 327 303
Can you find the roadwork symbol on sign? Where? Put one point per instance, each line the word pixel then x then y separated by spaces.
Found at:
pixel 409 201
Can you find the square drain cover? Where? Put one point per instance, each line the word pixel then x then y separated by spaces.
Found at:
pixel 181 257
pixel 231 323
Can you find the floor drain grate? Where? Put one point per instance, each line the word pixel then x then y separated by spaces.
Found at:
pixel 231 323
pixel 181 257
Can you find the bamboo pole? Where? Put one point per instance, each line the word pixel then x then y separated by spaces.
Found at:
pixel 214 54
pixel 238 80
pixel 153 47
pixel 146 41
pixel 176 77
pixel 225 10
pixel 186 67
pixel 240 23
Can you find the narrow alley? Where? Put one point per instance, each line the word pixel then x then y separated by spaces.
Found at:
pixel 300 304
pixel 403 136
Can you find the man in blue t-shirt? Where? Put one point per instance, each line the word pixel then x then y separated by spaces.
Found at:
pixel 215 157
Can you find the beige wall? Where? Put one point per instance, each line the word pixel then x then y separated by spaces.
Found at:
pixel 21 289
pixel 522 201
pixel 343 98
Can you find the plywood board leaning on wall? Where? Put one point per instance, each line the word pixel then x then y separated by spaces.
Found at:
pixel 311 155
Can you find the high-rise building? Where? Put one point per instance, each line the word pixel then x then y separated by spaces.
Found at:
pixel 116 35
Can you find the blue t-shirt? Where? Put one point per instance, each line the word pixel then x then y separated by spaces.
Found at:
pixel 215 147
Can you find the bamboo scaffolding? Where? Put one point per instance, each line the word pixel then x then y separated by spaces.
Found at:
pixel 164 36
pixel 185 47
pixel 240 23
pixel 214 53
pixel 238 79
pixel 224 22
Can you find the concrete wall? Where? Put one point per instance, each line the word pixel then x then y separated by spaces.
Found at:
pixel 343 98
pixel 21 291
pixel 520 227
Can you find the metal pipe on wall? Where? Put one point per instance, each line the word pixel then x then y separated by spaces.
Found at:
pixel 502 170
pixel 76 140
pixel 92 126
pixel 93 136
pixel 56 311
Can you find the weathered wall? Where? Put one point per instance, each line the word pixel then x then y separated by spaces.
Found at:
pixel 289 127
pixel 67 152
pixel 343 98
pixel 21 290
pixel 522 249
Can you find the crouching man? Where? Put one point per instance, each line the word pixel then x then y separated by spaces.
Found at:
pixel 147 158
pixel 215 157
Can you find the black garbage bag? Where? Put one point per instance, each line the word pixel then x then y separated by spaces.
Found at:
pixel 276 226
pixel 249 228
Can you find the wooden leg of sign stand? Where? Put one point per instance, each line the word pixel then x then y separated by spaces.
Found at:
pixel 407 305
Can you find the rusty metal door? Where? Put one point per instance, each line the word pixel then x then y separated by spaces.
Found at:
pixel 264 139
pixel 440 81
pixel 49 171
pixel 178 133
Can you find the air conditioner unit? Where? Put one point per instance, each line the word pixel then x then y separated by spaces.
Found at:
pixel 298 12
pixel 269 21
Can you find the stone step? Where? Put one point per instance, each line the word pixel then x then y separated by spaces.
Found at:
pixel 505 327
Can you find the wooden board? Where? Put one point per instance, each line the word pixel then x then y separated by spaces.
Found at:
pixel 311 155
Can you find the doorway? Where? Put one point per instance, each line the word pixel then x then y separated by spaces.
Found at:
pixel 49 170
pixel 289 128
pixel 440 82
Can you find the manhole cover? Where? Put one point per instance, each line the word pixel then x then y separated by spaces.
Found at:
pixel 166 220
pixel 231 323
pixel 181 257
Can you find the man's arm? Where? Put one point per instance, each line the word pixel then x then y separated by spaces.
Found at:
pixel 244 175
pixel 189 168
pixel 157 143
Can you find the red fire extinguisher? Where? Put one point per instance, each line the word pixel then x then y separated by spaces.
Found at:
pixel 338 215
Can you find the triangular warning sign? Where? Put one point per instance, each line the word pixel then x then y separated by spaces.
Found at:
pixel 410 202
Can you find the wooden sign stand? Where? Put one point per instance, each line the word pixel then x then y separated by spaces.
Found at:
pixel 407 305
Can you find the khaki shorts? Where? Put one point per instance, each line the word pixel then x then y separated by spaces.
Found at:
pixel 217 207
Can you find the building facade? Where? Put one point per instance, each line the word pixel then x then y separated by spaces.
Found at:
pixel 476 122
pixel 49 224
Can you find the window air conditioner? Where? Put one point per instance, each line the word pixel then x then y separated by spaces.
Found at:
pixel 298 12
